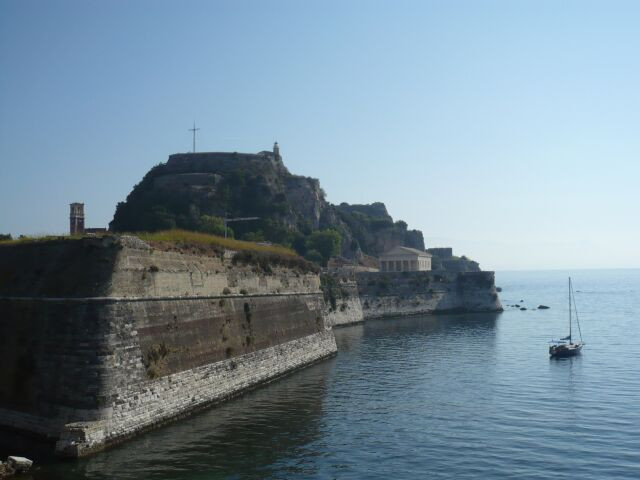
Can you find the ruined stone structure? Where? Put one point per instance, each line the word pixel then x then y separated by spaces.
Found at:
pixel 76 221
pixel 76 218
pixel 104 338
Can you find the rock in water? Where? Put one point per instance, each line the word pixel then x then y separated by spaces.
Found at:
pixel 523 308
pixel 543 307
pixel 14 465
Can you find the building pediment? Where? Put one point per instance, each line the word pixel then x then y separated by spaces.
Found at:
pixel 399 250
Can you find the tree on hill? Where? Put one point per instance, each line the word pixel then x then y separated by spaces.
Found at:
pixel 326 243
pixel 213 225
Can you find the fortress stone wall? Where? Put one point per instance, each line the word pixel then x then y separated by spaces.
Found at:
pixel 385 294
pixel 347 309
pixel 103 338
pixel 224 162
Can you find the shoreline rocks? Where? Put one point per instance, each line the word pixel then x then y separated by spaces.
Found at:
pixel 14 465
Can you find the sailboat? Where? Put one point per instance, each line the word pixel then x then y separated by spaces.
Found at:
pixel 566 347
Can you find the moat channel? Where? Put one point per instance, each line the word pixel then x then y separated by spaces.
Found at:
pixel 452 396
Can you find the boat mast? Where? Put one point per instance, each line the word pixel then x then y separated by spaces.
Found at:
pixel 575 308
pixel 569 309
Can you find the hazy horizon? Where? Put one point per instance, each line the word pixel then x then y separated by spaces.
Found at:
pixel 507 130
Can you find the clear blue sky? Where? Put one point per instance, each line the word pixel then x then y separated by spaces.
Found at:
pixel 509 130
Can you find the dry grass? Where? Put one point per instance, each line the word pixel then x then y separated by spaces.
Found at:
pixel 263 257
pixel 175 238
pixel 185 237
pixel 38 238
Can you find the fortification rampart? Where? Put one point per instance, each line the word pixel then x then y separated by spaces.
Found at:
pixel 223 162
pixel 413 293
pixel 101 339
pixel 342 302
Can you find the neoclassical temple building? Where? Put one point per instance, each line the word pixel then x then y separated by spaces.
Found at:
pixel 405 259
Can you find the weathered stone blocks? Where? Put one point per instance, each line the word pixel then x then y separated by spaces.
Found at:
pixel 385 294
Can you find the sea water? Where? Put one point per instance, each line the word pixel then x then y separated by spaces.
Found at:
pixel 443 396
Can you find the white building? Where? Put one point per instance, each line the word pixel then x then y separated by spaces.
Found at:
pixel 405 259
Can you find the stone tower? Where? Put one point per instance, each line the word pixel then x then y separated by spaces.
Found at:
pixel 76 218
pixel 276 151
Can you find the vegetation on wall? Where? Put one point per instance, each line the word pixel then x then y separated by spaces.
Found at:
pixel 266 261
pixel 38 238
pixel 332 291
pixel 264 257
pixel 189 239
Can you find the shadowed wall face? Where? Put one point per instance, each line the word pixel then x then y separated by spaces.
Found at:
pixel 74 268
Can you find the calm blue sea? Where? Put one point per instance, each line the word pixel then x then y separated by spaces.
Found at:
pixel 454 396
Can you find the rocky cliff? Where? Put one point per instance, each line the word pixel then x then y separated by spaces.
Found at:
pixel 187 187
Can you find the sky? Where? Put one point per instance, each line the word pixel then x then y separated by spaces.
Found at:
pixel 509 130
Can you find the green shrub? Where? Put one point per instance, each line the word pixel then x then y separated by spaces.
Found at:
pixel 314 256
pixel 325 242
pixel 214 226
pixel 332 291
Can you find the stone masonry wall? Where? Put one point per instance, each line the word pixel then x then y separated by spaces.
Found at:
pixel 348 309
pixel 145 405
pixel 148 336
pixel 412 293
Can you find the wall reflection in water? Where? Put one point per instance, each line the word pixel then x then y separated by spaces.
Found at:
pixel 385 370
pixel 248 434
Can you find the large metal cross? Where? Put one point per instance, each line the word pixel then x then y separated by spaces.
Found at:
pixel 194 130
